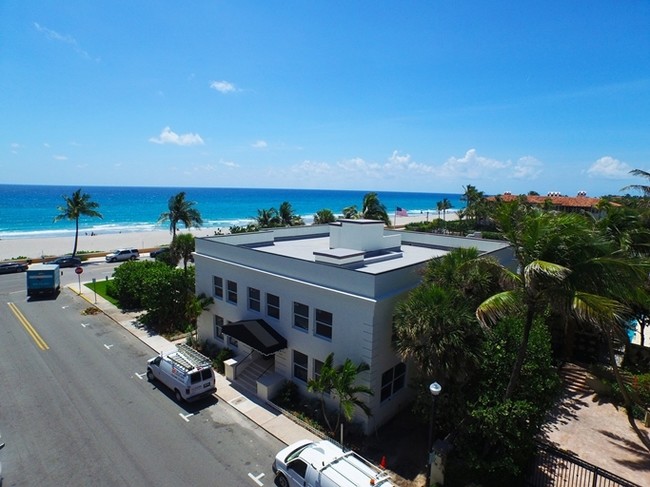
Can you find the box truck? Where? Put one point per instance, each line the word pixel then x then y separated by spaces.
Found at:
pixel 43 279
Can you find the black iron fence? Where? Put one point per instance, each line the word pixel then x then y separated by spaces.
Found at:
pixel 553 467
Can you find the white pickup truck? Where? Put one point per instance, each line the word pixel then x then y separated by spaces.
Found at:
pixel 325 464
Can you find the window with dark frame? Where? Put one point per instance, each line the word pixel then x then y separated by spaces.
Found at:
pixel 318 365
pixel 273 305
pixel 217 283
pixel 392 381
pixel 218 327
pixel 232 292
pixel 300 364
pixel 323 324
pixel 301 316
pixel 254 299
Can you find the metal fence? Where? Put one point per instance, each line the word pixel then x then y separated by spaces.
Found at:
pixel 553 467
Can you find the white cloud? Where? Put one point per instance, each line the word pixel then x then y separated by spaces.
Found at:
pixel 609 168
pixel 46 145
pixel 473 166
pixel 223 87
pixel 65 39
pixel 60 158
pixel 15 146
pixel 260 144
pixel 229 164
pixel 169 137
pixel 312 167
pixel 527 168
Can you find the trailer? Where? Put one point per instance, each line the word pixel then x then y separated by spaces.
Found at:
pixel 43 279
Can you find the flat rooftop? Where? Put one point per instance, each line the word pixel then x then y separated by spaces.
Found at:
pixel 304 249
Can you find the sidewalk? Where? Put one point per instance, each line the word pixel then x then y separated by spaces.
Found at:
pixel 274 422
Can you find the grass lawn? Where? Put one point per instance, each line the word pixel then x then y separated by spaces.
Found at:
pixel 100 288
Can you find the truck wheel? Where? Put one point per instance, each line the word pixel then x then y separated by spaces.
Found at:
pixel 150 376
pixel 282 480
pixel 178 396
pixel 133 257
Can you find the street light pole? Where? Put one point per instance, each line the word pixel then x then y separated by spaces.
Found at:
pixel 434 390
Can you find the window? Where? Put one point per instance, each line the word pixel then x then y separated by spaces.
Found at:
pixel 233 343
pixel 318 365
pixel 300 361
pixel 392 380
pixel 218 328
pixel 232 292
pixel 254 300
pixel 273 305
pixel 217 283
pixel 299 467
pixel 324 324
pixel 301 316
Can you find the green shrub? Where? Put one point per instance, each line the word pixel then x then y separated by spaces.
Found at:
pixel 288 397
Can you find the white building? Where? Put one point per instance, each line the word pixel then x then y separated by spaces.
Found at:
pixel 286 298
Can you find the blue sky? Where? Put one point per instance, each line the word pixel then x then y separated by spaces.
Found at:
pixel 394 95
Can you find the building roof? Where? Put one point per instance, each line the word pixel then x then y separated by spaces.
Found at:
pixel 578 202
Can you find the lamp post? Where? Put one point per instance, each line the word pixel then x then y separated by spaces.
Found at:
pixel 434 390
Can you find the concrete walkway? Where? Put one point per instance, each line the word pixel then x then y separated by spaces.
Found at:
pixel 596 430
pixel 267 417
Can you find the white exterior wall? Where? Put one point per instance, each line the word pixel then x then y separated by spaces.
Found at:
pixel 361 303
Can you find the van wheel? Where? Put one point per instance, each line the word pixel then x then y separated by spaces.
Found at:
pixel 282 480
pixel 150 376
pixel 133 257
pixel 179 398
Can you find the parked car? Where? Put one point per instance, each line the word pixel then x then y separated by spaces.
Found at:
pixel 158 252
pixel 119 255
pixel 12 267
pixel 186 372
pixel 66 261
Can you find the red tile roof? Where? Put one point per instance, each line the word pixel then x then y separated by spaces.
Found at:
pixel 565 201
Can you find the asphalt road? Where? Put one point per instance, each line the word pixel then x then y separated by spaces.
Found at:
pixel 77 409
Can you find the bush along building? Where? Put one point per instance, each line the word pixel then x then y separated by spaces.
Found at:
pixel 284 299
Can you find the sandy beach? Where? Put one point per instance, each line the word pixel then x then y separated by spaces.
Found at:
pixel 36 248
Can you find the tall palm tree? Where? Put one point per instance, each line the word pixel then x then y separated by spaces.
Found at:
pixel 564 264
pixel 472 198
pixel 324 216
pixel 645 189
pixel 445 205
pixel 76 206
pixel 181 211
pixel 351 212
pixel 373 209
pixel 322 385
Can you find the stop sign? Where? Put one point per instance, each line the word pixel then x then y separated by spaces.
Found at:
pixel 78 270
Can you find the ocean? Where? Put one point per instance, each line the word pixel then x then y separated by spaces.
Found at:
pixel 28 211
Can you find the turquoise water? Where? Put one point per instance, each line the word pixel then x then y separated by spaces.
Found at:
pixel 29 211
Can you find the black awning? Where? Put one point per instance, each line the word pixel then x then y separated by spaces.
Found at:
pixel 257 334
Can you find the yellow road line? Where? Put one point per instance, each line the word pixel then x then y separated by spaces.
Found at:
pixel 28 327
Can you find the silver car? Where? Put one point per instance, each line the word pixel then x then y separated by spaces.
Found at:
pixel 120 255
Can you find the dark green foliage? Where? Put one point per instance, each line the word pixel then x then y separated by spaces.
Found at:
pixel 216 353
pixel 127 282
pixel 497 440
pixel 288 396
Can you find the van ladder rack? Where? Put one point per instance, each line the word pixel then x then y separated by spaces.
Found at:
pixel 188 358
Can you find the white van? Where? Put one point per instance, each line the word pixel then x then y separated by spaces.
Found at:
pixel 185 371
pixel 325 464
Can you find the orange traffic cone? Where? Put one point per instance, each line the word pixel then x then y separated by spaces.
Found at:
pixel 382 464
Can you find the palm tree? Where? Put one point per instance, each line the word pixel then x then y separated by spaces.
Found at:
pixel 287 216
pixel 373 209
pixel 445 205
pixel 183 211
pixel 439 208
pixel 322 385
pixel 75 206
pixel 344 387
pixel 267 218
pixel 564 264
pixel 324 216
pixel 341 381
pixel 472 198
pixel 351 212
pixel 182 247
pixel 639 187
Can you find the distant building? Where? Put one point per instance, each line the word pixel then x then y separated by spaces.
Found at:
pixel 285 298
pixel 556 201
